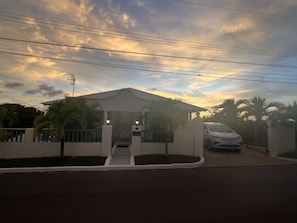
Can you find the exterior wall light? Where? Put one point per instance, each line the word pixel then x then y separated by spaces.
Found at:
pixel 107 122
pixel 137 122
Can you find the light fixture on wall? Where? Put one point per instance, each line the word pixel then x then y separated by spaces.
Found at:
pixel 107 122
pixel 137 122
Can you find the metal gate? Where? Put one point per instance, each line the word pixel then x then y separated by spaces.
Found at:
pixel 256 136
pixel 122 134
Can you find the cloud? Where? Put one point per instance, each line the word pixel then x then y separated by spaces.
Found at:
pixel 146 6
pixel 79 11
pixel 151 27
pixel 13 84
pixel 45 90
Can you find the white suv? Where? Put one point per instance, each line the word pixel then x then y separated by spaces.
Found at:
pixel 220 136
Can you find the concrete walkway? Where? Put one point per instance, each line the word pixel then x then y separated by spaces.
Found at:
pixel 120 156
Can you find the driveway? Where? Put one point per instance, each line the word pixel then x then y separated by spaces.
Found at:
pixel 247 157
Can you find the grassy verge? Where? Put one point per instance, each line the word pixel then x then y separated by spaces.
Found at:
pixel 53 161
pixel 161 159
pixel 291 154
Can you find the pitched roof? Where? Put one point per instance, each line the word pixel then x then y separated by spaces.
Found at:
pixel 103 97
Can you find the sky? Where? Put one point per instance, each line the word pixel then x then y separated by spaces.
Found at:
pixel 201 52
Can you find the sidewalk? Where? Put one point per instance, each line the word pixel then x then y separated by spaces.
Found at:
pixel 122 161
pixel 117 162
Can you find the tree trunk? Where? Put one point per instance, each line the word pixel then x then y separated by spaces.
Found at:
pixel 62 147
pixel 166 149
pixel 166 143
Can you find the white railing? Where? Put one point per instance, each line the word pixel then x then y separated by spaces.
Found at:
pixel 149 136
pixel 12 135
pixel 71 135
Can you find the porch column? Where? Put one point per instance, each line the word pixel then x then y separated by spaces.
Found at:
pixel 105 116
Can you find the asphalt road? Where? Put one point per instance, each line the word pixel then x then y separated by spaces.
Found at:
pixel 228 194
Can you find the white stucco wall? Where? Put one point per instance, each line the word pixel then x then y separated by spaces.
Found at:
pixel 153 148
pixel 82 149
pixel 27 148
pixel 188 140
pixel 280 139
pixel 106 144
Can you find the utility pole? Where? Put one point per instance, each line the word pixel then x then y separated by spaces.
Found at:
pixel 72 82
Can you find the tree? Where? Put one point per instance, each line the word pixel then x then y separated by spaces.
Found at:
pixel 17 116
pixel 291 111
pixel 166 116
pixel 255 108
pixel 72 113
pixel 284 114
pixel 227 112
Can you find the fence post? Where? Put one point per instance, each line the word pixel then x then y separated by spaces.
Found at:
pixel 198 137
pixel 280 139
pixel 106 140
pixel 136 140
pixel 29 135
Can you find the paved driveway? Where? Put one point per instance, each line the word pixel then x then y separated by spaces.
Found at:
pixel 247 157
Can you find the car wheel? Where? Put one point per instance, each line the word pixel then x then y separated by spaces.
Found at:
pixel 208 145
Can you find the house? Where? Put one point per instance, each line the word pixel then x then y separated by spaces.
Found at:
pixel 124 106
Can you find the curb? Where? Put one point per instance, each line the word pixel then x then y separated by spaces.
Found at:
pixel 103 168
pixel 284 158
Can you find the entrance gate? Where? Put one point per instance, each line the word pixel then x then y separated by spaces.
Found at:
pixel 122 135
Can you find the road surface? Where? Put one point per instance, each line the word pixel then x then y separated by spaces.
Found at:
pixel 228 194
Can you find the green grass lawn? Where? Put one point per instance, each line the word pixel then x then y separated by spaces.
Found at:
pixel 162 159
pixel 291 154
pixel 53 161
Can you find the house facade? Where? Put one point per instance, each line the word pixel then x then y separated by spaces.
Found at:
pixel 125 106
pixel 122 108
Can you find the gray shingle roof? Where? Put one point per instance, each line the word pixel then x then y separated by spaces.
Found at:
pixel 142 95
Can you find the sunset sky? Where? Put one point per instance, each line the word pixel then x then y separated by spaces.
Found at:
pixel 198 51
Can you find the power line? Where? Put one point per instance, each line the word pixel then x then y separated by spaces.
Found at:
pixel 149 70
pixel 143 38
pixel 148 54
pixel 236 9
pixel 197 68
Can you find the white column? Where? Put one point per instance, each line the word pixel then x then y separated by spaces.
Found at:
pixel 136 140
pixel 29 134
pixel 198 137
pixel 280 139
pixel 106 140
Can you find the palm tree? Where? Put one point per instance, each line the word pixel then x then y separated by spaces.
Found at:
pixel 69 113
pixel 255 108
pixel 285 114
pixel 166 116
pixel 292 111
pixel 227 112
